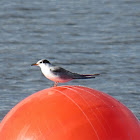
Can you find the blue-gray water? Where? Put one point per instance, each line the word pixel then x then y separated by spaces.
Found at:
pixel 92 36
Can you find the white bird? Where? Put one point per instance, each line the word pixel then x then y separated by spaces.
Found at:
pixel 58 74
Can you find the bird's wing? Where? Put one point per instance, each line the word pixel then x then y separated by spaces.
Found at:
pixel 61 72
pixel 57 70
pixel 70 75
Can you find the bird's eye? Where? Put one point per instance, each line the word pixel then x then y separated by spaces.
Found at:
pixel 40 62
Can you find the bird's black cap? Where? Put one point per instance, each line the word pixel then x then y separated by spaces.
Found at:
pixel 45 61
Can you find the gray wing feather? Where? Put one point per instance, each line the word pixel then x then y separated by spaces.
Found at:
pixel 70 75
pixel 62 72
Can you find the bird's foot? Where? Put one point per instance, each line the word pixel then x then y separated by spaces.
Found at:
pixel 56 83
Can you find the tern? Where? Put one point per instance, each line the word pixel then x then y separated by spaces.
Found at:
pixel 58 74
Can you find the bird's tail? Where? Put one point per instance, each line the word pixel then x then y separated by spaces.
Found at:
pixel 85 76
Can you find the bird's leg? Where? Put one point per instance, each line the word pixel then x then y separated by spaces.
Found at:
pixel 56 83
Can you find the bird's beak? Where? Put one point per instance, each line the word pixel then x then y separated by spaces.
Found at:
pixel 34 65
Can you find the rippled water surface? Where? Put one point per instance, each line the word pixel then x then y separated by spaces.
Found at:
pixel 92 36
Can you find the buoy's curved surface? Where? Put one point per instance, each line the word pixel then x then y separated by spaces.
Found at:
pixel 70 113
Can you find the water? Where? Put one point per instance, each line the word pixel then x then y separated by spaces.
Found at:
pixel 92 36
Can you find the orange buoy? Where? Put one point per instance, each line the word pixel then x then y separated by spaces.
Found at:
pixel 70 113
